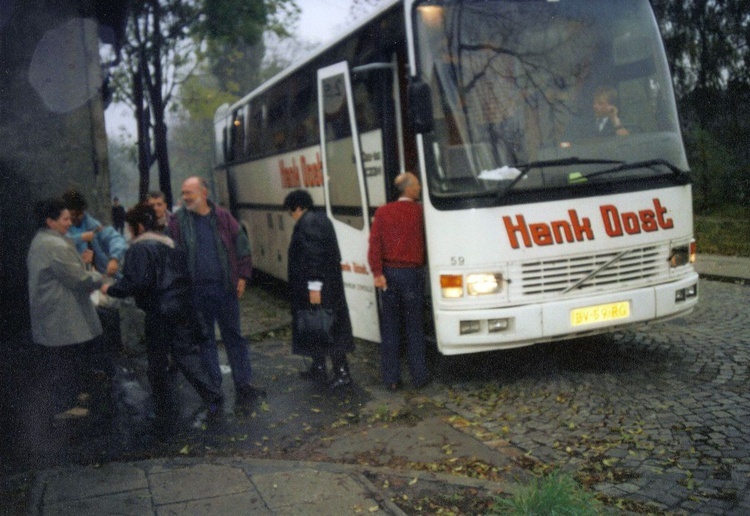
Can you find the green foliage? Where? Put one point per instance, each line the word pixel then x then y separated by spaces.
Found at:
pixel 707 41
pixel 200 96
pixel 717 174
pixel 235 43
pixel 235 66
pixel 725 231
pixel 554 494
pixel 282 14
pixel 708 49
pixel 231 21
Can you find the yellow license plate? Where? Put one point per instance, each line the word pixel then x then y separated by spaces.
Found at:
pixel 599 313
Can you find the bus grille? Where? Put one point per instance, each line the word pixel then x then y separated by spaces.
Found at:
pixel 636 267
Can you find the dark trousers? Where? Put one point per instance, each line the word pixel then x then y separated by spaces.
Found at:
pixel 179 336
pixel 402 309
pixel 65 371
pixel 216 305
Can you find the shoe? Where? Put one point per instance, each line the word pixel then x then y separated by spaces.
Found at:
pixel 341 376
pixel 165 429
pixel 340 381
pixel 316 373
pixel 423 383
pixel 74 413
pixel 215 410
pixel 249 393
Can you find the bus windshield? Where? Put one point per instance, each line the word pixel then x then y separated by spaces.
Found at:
pixel 538 95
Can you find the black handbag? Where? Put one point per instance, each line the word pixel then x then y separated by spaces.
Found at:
pixel 313 328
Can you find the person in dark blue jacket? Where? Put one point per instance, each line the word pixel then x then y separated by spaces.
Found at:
pixel 155 273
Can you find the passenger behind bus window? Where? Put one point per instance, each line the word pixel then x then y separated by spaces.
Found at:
pixel 607 114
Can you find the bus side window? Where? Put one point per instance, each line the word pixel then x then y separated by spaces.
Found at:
pixel 225 145
pixel 238 136
pixel 363 107
pixel 277 123
pixel 303 121
pixel 255 128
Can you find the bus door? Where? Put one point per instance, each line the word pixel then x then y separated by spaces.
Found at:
pixel 346 196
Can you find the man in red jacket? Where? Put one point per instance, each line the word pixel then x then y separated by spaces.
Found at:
pixel 397 258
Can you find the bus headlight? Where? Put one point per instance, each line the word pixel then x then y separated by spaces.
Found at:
pixel 483 284
pixel 452 285
pixel 682 255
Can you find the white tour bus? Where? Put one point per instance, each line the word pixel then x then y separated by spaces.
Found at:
pixel 538 226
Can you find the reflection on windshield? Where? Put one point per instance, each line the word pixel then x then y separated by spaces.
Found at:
pixel 520 82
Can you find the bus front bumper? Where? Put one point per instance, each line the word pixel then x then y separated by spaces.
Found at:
pixel 471 331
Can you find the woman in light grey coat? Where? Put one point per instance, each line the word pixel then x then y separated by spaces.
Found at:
pixel 64 322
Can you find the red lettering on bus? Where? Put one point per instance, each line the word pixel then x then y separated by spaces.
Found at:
pixel 312 172
pixel 541 233
pixel 581 229
pixel 289 175
pixel 616 224
pixel 648 221
pixel 521 228
pixel 660 211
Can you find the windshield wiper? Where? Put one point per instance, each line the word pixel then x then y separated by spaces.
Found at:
pixel 524 168
pixel 680 176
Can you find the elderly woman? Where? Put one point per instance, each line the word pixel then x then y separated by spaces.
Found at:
pixel 314 276
pixel 64 323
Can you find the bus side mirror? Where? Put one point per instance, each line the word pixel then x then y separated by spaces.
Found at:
pixel 420 106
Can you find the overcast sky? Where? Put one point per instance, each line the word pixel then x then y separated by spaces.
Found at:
pixel 320 18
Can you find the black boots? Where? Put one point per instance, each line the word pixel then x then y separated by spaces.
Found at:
pixel 317 372
pixel 341 376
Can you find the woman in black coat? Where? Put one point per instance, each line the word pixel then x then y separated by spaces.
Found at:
pixel 314 275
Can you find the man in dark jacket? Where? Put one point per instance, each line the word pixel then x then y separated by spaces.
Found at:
pixel 314 275
pixel 156 275
pixel 220 266
pixel 118 216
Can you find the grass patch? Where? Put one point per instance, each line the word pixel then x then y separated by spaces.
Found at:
pixel 722 235
pixel 556 493
pixel 724 230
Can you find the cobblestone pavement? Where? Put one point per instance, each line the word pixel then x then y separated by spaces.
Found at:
pixel 654 420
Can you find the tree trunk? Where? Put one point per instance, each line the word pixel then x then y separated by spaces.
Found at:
pixel 162 158
pixel 155 83
pixel 144 144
